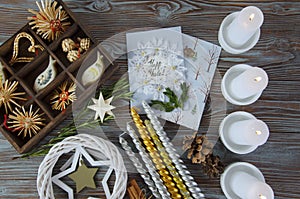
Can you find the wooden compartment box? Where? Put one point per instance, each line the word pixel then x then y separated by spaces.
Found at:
pixel 26 73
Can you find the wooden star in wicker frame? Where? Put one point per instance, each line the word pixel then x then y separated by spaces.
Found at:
pixel 83 177
pixel 74 160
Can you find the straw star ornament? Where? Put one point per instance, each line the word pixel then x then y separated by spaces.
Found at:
pixel 64 96
pixel 102 107
pixel 26 122
pixel 8 94
pixel 51 20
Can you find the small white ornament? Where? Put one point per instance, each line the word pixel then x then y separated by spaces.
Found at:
pixel 2 76
pixel 46 77
pixel 93 72
pixel 102 107
pixel 97 151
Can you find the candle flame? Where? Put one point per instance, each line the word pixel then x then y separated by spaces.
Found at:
pixel 262 196
pixel 251 17
pixel 257 79
pixel 258 132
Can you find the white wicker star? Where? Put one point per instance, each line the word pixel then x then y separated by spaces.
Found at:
pixel 105 154
pixel 75 159
pixel 102 107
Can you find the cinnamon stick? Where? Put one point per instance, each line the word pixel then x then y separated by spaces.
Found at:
pixel 134 190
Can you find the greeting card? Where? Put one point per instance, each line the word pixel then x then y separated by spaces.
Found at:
pixel 172 72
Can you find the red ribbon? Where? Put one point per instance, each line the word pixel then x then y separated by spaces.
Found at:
pixel 5 123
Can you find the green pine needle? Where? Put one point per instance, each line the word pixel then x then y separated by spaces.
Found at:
pixel 120 90
pixel 174 102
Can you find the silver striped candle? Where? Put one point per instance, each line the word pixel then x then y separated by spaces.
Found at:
pixel 139 167
pixel 148 164
pixel 186 176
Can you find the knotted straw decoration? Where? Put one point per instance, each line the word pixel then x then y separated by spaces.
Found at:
pixel 93 145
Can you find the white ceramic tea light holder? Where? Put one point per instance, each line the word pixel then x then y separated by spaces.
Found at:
pixel 240 31
pixel 243 84
pixel 242 133
pixel 242 180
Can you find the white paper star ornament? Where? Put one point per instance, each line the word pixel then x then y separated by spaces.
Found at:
pixel 102 107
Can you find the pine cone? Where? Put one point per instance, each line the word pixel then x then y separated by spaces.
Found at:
pixel 198 149
pixel 187 141
pixel 212 166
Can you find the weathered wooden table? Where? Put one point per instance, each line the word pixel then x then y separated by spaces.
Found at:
pixel 277 52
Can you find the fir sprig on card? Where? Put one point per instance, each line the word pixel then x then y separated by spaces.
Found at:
pixel 184 95
pixel 174 101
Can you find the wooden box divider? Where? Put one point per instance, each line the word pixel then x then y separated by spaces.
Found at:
pixel 7 70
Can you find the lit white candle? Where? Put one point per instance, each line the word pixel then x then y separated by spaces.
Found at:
pixel 251 82
pixel 244 26
pixel 250 132
pixel 249 187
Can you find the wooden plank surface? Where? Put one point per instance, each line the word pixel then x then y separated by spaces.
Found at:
pixel 277 52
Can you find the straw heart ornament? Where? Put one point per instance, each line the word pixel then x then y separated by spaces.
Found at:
pixel 32 48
